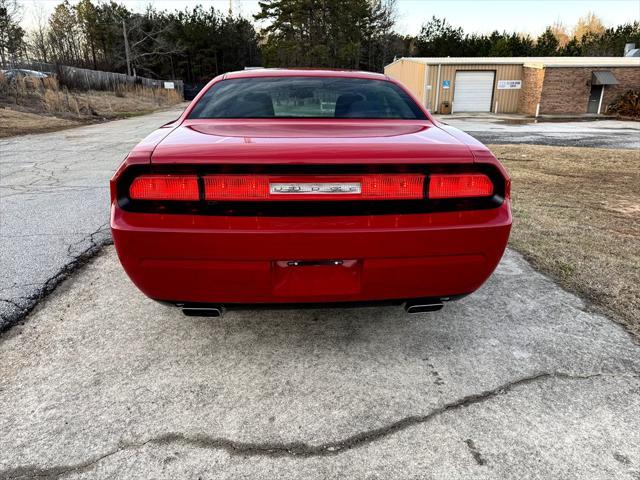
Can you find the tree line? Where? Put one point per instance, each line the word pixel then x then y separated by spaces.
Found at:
pixel 198 43
pixel 588 37
pixel 193 44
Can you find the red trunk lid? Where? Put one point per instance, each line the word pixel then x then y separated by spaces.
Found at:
pixel 310 141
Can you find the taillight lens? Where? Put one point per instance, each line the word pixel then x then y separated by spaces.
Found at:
pixel 301 188
pixel 393 187
pixel 461 185
pixel 165 187
pixel 236 187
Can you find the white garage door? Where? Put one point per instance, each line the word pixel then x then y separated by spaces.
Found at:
pixel 473 91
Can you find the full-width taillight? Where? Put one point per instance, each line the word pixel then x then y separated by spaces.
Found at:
pixel 314 187
pixel 165 187
pixel 345 187
pixel 460 185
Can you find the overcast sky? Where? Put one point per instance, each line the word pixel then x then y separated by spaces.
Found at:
pixel 482 16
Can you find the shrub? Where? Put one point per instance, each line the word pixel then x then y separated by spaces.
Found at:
pixel 627 104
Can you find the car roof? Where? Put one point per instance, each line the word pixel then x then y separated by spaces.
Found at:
pixel 304 72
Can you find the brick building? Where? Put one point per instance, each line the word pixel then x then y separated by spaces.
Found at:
pixel 529 85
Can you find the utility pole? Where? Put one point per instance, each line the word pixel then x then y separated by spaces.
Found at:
pixel 230 8
pixel 126 47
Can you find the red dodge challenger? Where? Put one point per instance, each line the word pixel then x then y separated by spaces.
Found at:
pixel 308 187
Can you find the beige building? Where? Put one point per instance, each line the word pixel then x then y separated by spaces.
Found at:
pixel 529 85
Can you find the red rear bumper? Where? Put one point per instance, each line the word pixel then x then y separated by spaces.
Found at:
pixel 211 259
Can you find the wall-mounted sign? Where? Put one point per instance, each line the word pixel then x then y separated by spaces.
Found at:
pixel 446 84
pixel 509 84
pixel 169 85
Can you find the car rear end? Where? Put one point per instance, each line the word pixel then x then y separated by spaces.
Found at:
pixel 228 212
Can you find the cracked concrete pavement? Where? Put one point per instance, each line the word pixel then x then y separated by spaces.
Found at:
pixel 54 204
pixel 518 380
pixel 592 133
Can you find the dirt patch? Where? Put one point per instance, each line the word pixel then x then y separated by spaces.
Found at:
pixel 577 218
pixel 14 122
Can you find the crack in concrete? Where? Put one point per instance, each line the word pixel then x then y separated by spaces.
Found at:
pixel 20 191
pixel 78 259
pixel 475 453
pixel 10 302
pixel 41 176
pixel 297 449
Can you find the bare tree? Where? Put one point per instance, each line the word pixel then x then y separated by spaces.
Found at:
pixel 589 24
pixel 11 34
pixel 64 35
pixel 38 37
pixel 559 30
pixel 144 39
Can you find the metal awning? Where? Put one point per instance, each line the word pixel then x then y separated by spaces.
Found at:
pixel 603 77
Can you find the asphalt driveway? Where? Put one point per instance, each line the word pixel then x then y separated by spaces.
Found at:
pixel 509 129
pixel 54 204
pixel 516 381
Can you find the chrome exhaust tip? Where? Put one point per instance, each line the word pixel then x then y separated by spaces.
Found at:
pixel 423 307
pixel 211 312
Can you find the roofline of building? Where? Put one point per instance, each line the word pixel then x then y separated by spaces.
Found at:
pixel 534 62
pixel 398 60
pixel 581 65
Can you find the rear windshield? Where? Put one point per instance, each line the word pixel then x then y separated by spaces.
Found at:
pixel 306 97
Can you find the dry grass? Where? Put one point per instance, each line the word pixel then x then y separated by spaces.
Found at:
pixel 61 107
pixel 577 218
pixel 19 123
